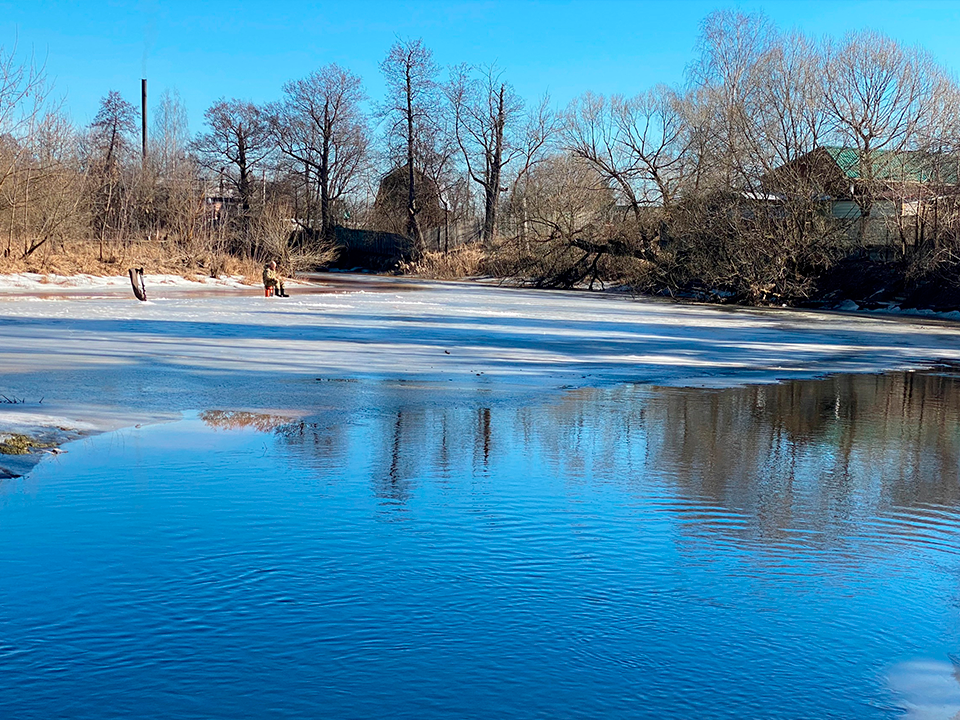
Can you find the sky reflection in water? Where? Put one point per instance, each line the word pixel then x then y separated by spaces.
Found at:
pixel 781 551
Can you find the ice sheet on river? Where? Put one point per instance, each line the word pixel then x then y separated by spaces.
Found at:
pixel 85 355
pixel 927 689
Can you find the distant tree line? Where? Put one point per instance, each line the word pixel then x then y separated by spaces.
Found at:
pixel 780 157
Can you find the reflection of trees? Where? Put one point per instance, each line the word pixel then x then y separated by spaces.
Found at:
pixel 239 420
pixel 395 448
pixel 762 462
pixel 814 454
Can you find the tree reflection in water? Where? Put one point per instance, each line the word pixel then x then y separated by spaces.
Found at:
pixel 809 461
pixel 241 420
pixel 805 462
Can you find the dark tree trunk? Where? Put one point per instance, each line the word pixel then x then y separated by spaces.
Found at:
pixel 326 219
pixel 413 226
pixel 494 172
pixel 244 186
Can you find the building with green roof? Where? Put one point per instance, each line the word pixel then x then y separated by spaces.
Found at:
pixel 898 188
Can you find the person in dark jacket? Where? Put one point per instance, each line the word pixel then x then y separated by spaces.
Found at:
pixel 272 279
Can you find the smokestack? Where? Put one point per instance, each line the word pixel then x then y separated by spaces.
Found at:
pixel 143 106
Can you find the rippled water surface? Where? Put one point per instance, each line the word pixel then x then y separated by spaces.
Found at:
pixel 787 551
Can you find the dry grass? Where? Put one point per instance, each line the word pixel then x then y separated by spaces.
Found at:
pixel 462 262
pixel 83 257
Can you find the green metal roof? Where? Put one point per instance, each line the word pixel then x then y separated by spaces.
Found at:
pixel 910 166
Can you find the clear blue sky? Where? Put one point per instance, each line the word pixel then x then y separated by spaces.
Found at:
pixel 248 48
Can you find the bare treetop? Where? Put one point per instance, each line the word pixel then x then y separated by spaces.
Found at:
pixel 237 142
pixel 412 108
pixel 877 90
pixel 321 127
pixel 410 68
pixel 114 124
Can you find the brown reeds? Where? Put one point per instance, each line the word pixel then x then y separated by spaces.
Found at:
pixel 462 262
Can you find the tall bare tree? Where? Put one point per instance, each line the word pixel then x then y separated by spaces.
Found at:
pixel 170 139
pixel 877 94
pixel 410 72
pixel 321 126
pixel 487 125
pixel 639 144
pixel 25 111
pixel 592 132
pixel 722 77
pixel 47 190
pixel 110 147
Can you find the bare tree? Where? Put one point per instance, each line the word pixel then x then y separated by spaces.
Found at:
pixel 24 91
pixel 46 192
pixel 110 144
pixel 320 125
pixel 592 132
pixel 488 127
pixel 639 144
pixel 536 144
pixel 652 126
pixel 569 208
pixel 170 139
pixel 112 128
pixel 758 226
pixel 785 117
pixel 237 142
pixel 24 96
pixel 722 79
pixel 877 94
pixel 25 114
pixel 410 72
pixel 934 220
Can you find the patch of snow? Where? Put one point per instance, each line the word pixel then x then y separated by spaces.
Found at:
pixel 952 315
pixel 37 283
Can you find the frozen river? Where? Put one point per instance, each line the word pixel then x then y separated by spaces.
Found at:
pixel 406 499
pixel 88 348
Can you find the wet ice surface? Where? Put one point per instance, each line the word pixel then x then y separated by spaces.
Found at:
pixel 435 500
pixel 781 551
pixel 186 351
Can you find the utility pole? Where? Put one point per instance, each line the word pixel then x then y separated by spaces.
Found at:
pixel 143 115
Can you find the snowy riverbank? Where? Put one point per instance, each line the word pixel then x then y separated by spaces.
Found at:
pixel 46 284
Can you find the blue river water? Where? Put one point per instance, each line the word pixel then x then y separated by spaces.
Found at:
pixel 783 551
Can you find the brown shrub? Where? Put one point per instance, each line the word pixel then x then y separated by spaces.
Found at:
pixel 462 262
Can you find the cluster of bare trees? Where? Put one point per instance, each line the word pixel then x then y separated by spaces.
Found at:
pixel 779 156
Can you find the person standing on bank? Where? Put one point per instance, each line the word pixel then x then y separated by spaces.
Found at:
pixel 272 279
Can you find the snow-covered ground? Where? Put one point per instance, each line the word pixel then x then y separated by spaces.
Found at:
pixel 50 284
pixel 108 359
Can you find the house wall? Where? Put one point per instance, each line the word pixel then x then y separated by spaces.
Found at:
pixel 881 225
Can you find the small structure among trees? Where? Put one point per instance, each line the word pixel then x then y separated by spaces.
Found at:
pixel 897 202
pixel 390 206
